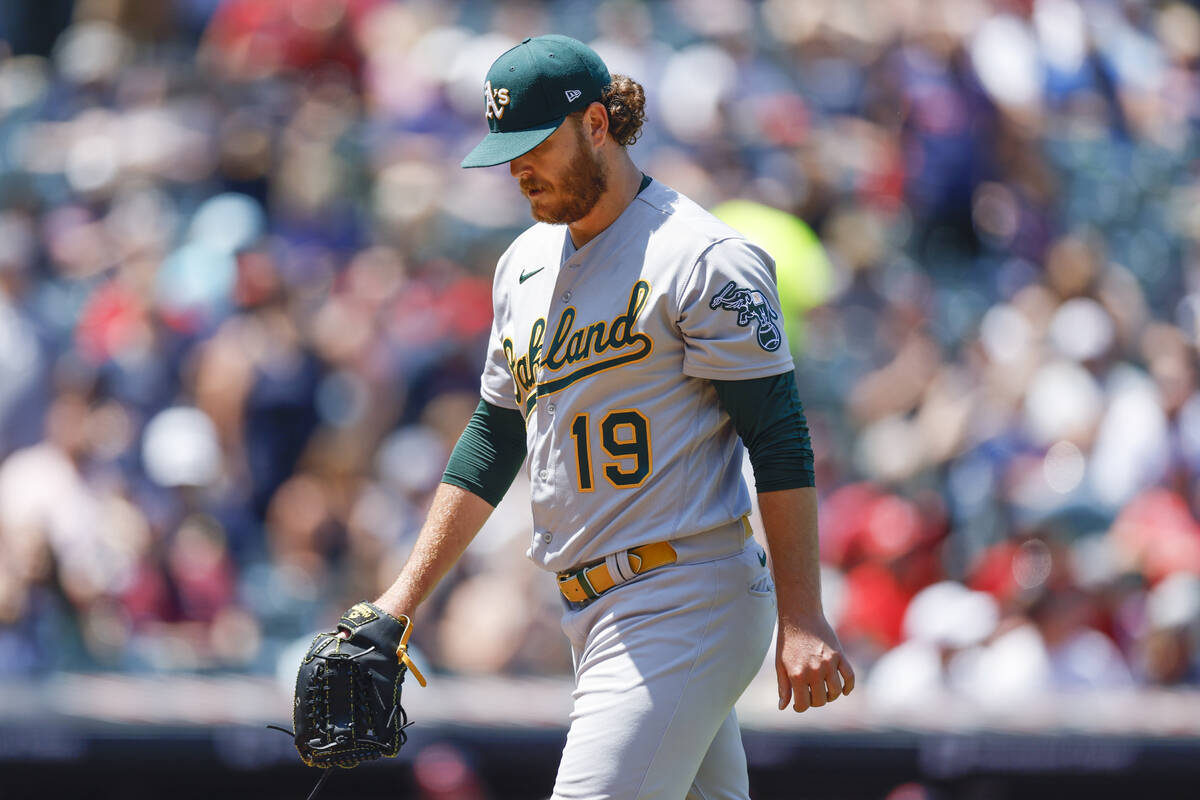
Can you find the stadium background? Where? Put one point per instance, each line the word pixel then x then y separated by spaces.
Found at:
pixel 244 296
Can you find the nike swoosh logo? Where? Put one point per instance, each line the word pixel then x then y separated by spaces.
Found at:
pixel 762 559
pixel 527 275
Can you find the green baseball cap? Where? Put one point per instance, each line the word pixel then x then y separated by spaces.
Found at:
pixel 530 90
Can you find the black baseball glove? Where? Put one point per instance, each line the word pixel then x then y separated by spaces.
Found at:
pixel 347 705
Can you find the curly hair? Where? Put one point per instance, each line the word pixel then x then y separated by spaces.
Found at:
pixel 625 100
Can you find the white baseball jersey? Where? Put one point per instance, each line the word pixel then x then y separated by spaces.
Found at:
pixel 608 352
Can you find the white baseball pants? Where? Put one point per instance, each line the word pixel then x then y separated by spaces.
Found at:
pixel 659 663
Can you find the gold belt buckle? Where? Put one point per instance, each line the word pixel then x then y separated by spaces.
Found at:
pixel 578 577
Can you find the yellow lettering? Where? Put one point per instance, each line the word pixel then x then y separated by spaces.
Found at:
pixel 553 359
pixel 523 375
pixel 569 345
pixel 595 333
pixel 536 335
pixel 621 332
pixel 510 357
pixel 577 346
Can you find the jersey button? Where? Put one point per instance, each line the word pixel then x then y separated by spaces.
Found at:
pixel 550 408
pixel 543 474
pixel 566 295
pixel 546 537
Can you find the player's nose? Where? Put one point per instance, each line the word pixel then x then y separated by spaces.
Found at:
pixel 519 167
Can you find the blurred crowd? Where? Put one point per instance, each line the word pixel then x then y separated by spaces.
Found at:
pixel 245 295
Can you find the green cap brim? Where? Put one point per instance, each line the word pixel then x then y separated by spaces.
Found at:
pixel 500 147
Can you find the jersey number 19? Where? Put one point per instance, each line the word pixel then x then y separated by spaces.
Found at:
pixel 624 435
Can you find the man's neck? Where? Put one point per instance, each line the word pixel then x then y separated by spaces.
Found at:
pixel 623 183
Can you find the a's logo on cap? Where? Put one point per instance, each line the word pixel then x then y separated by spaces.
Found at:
pixel 497 100
pixel 573 95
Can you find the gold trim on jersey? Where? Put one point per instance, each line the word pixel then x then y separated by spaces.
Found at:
pixel 615 467
pixel 583 453
pixel 526 368
pixel 569 345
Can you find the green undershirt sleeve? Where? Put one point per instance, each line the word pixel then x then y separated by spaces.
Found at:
pixel 489 452
pixel 767 414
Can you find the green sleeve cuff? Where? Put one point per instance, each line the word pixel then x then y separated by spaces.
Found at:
pixel 489 452
pixel 767 414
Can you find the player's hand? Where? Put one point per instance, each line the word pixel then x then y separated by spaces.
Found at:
pixel 391 609
pixel 809 663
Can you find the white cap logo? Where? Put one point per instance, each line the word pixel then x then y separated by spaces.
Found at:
pixel 496 100
pixel 573 95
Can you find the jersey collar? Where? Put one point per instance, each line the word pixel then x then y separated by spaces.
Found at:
pixel 576 255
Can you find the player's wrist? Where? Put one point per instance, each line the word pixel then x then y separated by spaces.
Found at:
pixel 397 604
pixel 802 615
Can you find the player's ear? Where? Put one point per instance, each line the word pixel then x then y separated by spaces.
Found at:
pixel 595 124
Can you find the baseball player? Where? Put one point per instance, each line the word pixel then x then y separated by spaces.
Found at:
pixel 636 338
